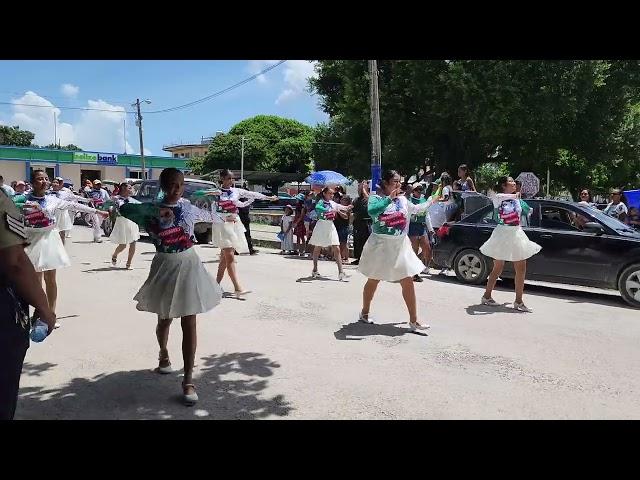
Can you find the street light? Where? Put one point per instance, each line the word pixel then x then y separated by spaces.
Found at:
pixel 139 125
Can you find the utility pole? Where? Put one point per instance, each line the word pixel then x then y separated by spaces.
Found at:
pixel 242 160
pixel 139 125
pixel 124 133
pixel 55 129
pixel 376 150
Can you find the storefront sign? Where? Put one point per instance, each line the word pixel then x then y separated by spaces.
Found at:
pixel 84 157
pixel 97 158
pixel 107 159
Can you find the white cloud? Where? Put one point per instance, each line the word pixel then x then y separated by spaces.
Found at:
pixel 97 130
pixel 296 76
pixel 256 66
pixel 69 90
pixel 147 151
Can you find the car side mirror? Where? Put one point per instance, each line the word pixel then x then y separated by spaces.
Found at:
pixel 593 227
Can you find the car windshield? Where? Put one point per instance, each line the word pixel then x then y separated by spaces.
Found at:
pixel 610 222
pixel 151 189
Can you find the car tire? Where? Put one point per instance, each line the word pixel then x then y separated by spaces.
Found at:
pixel 471 267
pixel 629 285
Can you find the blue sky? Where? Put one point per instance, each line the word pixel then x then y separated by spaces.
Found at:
pixel 114 85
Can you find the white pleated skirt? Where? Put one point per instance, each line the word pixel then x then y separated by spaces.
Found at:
pixel 45 249
pixel 389 258
pixel 230 235
pixel 64 223
pixel 324 234
pixel 178 285
pixel 124 232
pixel 509 243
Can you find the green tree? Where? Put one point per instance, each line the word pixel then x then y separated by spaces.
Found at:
pixel 15 137
pixel 574 117
pixel 272 144
pixel 71 146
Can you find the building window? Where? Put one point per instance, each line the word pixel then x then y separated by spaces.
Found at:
pixel 175 155
pixel 186 155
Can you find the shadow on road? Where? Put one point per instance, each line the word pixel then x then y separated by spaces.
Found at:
pixel 230 386
pixel 103 269
pixel 36 370
pixel 311 279
pixel 361 330
pixel 573 296
pixel 488 310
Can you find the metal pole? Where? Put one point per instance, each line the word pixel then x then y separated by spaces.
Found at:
pixel 548 181
pixel 55 129
pixel 124 133
pixel 242 160
pixel 376 150
pixel 141 143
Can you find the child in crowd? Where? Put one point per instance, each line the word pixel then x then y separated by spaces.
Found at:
pixel 286 229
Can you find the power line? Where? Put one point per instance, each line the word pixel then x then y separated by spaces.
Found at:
pixel 172 109
pixel 44 95
pixel 67 108
pixel 209 97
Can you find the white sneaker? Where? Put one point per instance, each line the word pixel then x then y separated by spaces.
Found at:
pixel 416 326
pixel 521 307
pixel 97 240
pixel 365 318
pixel 489 301
pixel 342 276
pixel 315 274
pixel 57 325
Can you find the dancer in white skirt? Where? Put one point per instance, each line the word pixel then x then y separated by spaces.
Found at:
pixel 387 254
pixel 229 235
pixel 178 284
pixel 64 218
pixel 45 249
pixel 325 234
pixel 125 232
pixel 508 242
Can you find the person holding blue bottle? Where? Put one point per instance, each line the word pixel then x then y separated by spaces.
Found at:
pixel 19 288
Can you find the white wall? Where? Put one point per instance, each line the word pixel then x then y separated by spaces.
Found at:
pixel 12 171
pixel 72 172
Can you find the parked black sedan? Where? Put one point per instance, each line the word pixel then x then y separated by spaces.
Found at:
pixel 580 246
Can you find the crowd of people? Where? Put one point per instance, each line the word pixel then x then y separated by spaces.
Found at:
pixel 394 228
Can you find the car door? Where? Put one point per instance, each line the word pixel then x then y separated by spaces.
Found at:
pixel 568 253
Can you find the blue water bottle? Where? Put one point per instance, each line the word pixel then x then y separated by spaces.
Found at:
pixel 39 331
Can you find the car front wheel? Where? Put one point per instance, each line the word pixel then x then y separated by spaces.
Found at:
pixel 629 285
pixel 470 266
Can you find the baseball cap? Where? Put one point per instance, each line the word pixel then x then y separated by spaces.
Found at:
pixel 97 182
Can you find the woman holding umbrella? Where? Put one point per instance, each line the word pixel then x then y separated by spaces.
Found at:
pixel 325 234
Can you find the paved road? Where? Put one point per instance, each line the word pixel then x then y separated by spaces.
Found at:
pixel 292 350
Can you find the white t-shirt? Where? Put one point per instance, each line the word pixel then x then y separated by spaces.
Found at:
pixel 616 210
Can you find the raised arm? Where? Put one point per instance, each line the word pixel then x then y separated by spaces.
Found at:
pixel 64 205
pixel 420 208
pixel 205 215
pixel 377 205
pixel 253 195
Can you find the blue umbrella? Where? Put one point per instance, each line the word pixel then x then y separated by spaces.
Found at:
pixel 327 177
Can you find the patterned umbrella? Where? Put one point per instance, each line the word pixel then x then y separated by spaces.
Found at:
pixel 327 177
